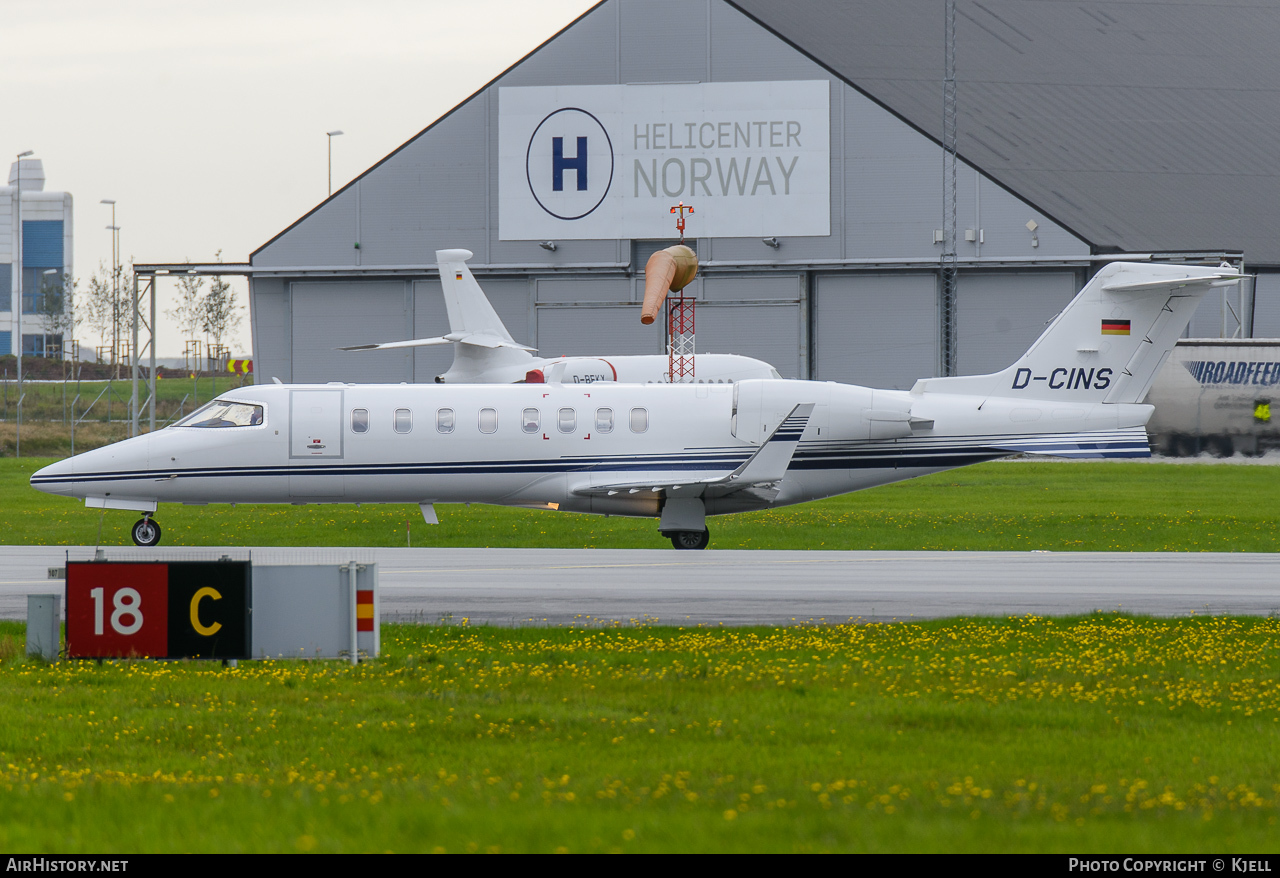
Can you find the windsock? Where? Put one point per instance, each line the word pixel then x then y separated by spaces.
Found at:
pixel 671 270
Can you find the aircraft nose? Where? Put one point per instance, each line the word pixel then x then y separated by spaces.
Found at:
pixel 74 476
pixel 56 478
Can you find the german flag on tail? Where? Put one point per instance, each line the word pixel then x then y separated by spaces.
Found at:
pixel 1115 327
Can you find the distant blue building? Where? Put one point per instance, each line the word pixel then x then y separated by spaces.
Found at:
pixel 46 258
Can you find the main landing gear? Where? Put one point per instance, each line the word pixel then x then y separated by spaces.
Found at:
pixel 689 539
pixel 146 531
pixel 684 522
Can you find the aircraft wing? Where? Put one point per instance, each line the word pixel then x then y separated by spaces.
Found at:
pixel 766 467
pixel 479 339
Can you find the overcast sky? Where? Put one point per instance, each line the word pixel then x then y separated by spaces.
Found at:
pixel 206 121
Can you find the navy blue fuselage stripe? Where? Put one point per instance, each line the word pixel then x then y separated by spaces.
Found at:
pixel 818 455
pixel 826 461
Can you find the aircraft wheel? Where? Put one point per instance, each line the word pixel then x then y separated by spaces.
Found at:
pixel 690 539
pixel 146 532
pixel 1220 446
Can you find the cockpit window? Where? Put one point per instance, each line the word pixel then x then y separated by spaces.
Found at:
pixel 224 413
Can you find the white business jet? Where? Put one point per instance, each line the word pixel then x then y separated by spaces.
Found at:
pixel 674 452
pixel 485 353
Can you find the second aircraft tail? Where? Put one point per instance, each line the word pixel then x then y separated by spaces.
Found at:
pixel 1108 344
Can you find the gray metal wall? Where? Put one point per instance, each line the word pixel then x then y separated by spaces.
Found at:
pixel 441 190
pixel 327 315
pixel 1000 315
pixel 878 330
pixel 1266 305
pixel 271 328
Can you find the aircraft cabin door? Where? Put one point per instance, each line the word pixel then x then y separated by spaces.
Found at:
pixel 315 443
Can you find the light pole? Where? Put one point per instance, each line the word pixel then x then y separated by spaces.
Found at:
pixel 17 258
pixel 331 135
pixel 115 279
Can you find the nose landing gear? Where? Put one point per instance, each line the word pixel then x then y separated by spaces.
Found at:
pixel 146 532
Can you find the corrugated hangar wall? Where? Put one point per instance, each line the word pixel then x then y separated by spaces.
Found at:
pixel 858 305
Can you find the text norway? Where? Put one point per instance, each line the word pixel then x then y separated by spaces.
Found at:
pixel 704 176
pixel 1066 379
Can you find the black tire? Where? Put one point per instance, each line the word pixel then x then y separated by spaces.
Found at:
pixel 1180 445
pixel 146 532
pixel 690 539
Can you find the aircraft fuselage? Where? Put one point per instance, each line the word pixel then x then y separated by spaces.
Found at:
pixel 550 445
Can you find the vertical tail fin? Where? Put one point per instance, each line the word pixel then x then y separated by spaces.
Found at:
pixel 469 309
pixel 1108 343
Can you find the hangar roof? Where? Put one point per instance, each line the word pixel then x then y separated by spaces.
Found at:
pixel 1138 124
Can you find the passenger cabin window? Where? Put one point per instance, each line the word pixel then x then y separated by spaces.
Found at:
pixel 604 420
pixel 359 420
pixel 530 420
pixel 224 413
pixel 444 420
pixel 488 420
pixel 567 420
pixel 639 420
pixel 403 420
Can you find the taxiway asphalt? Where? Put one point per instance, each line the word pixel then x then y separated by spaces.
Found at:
pixel 593 586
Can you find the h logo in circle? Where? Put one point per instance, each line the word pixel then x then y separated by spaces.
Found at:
pixel 559 164
pixel 583 137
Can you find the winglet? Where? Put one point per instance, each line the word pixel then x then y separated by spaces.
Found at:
pixel 770 462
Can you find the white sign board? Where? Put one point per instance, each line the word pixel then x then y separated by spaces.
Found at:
pixel 608 161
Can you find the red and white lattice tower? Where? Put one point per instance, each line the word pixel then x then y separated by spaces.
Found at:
pixel 680 333
pixel 681 322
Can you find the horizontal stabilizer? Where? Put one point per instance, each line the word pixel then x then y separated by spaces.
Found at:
pixel 1222 279
pixel 391 345
pixel 478 339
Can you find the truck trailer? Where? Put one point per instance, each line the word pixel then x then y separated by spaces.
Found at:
pixel 1214 395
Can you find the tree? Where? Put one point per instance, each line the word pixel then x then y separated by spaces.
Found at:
pixel 106 305
pixel 56 308
pixel 190 305
pixel 188 311
pixel 220 315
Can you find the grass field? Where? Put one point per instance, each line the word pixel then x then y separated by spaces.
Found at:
pixel 1104 733
pixel 1093 734
pixel 1013 505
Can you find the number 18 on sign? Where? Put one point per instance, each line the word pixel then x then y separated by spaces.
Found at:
pixel 158 610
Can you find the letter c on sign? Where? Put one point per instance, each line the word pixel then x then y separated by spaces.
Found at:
pixel 206 630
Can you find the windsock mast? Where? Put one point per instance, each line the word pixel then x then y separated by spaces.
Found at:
pixel 671 270
pixel 680 312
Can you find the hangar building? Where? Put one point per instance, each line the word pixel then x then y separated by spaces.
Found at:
pixel 807 137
